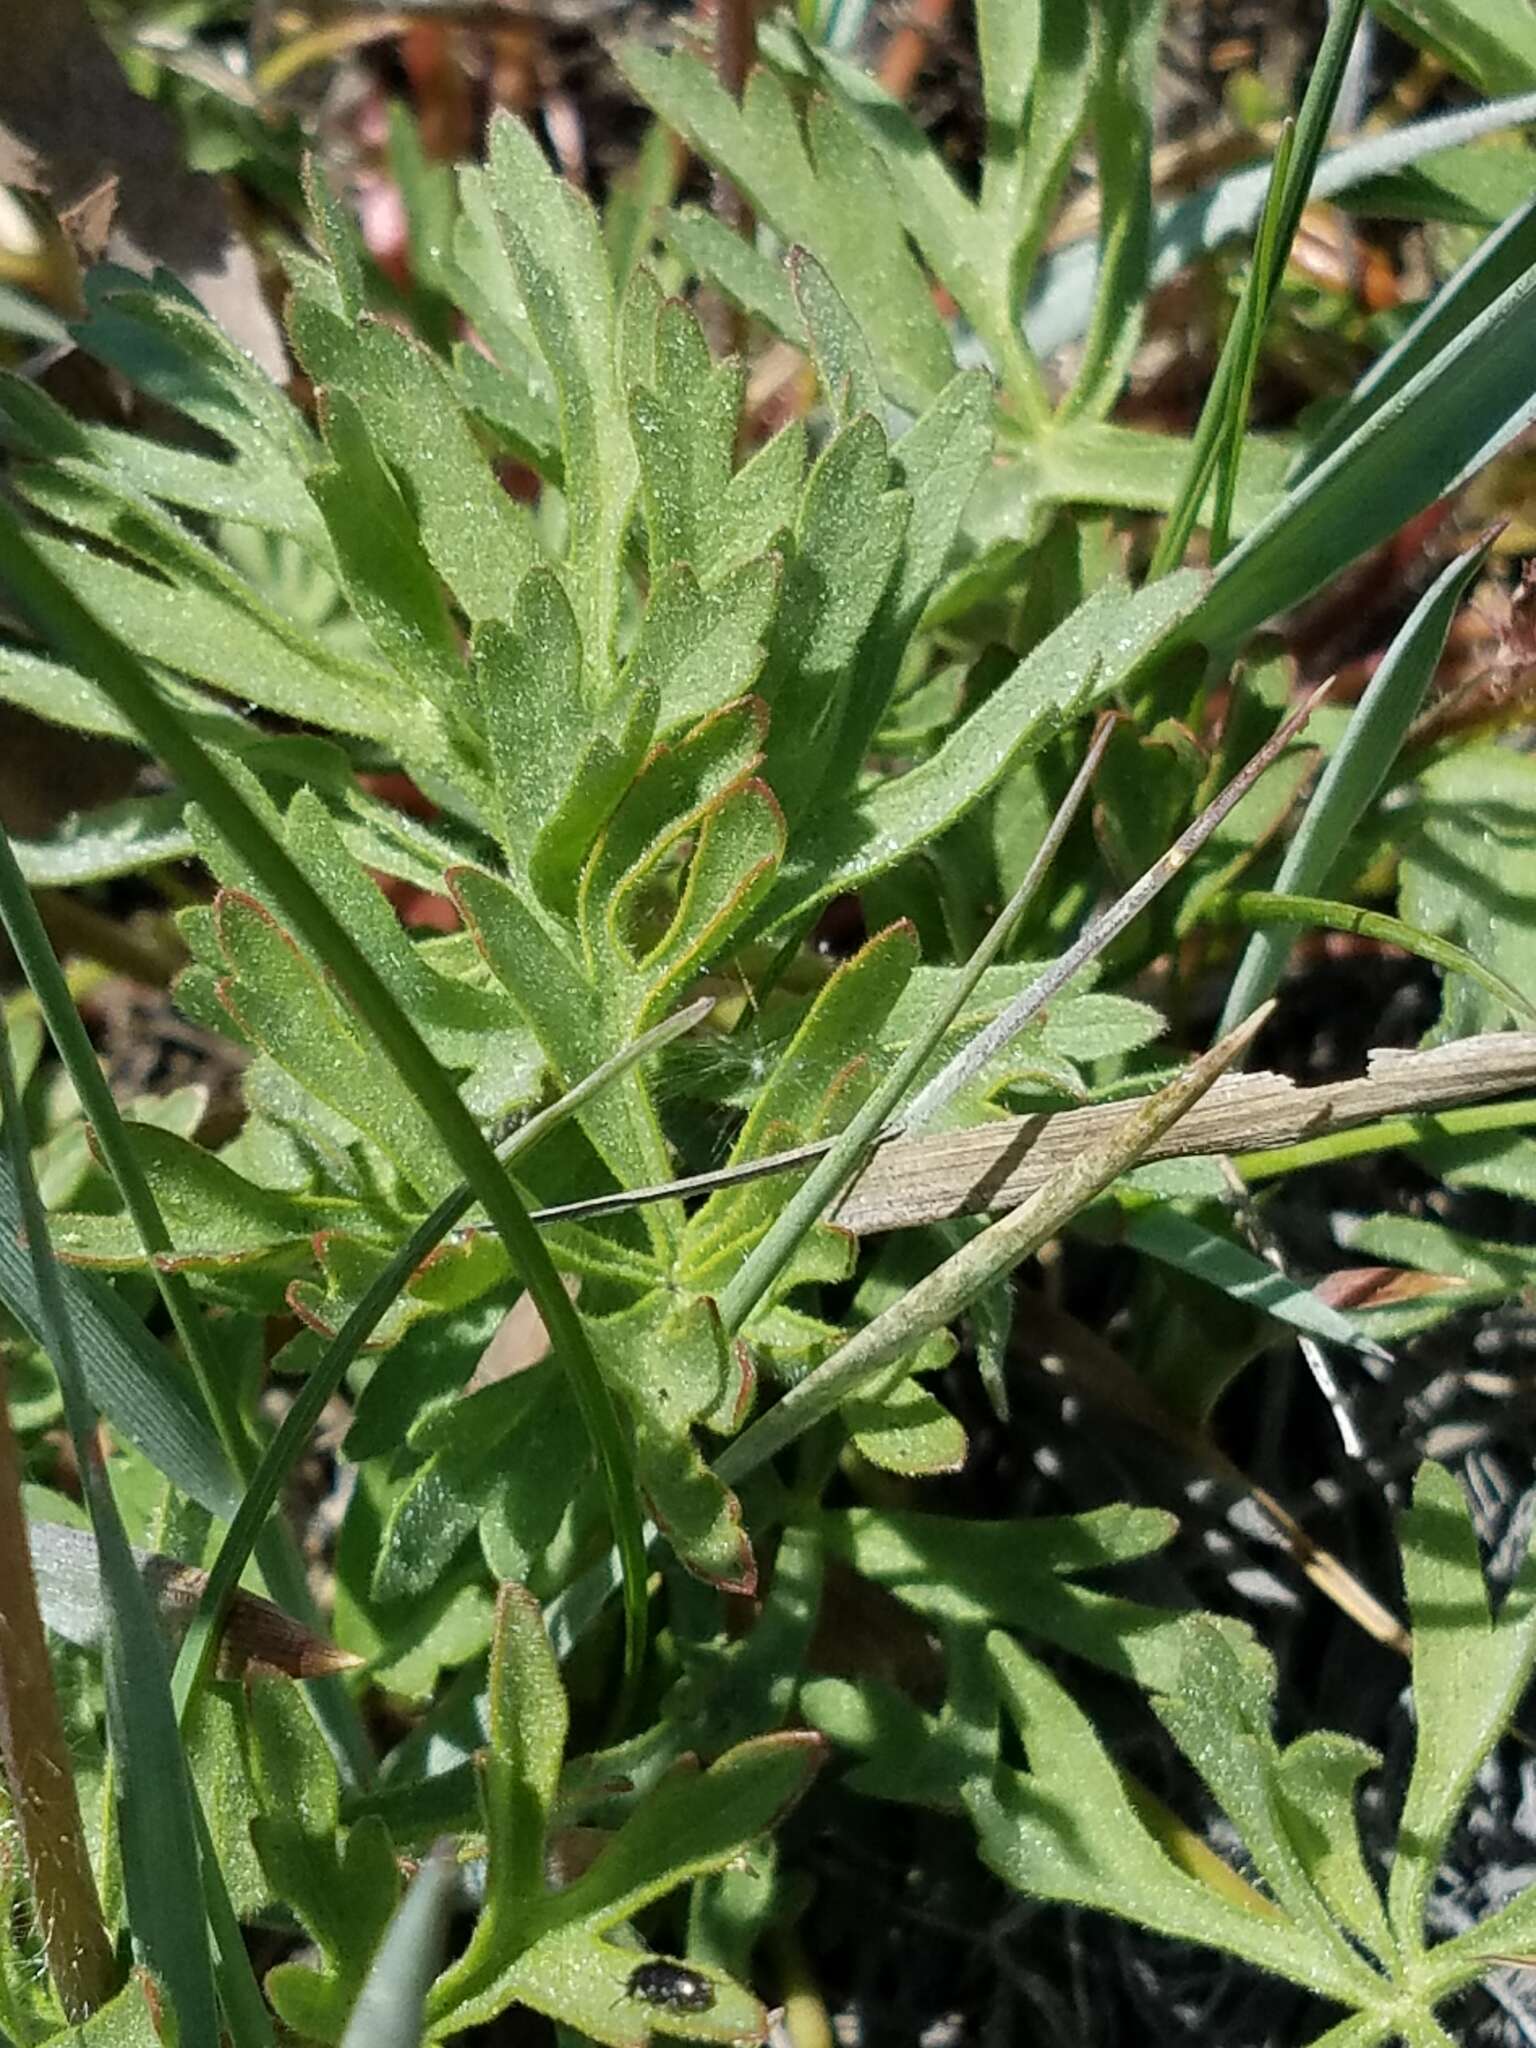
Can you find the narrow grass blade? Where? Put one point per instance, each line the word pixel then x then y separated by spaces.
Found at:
pixel 1216 1261
pixel 1269 257
pixel 129 1377
pixel 280 1563
pixel 969 1061
pixel 1221 416
pixel 157 1831
pixel 1218 437
pixel 1456 413
pixel 388 2012
pixel 36 956
pixel 298 1425
pixel 1388 1134
pixel 1356 772
pixel 1505 257
pixel 55 610
pixel 1228 210
pixel 1269 907
pixel 767 1259
pixel 947 1291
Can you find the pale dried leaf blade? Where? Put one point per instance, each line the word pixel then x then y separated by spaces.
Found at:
pixel 923 1180
pixel 256 1635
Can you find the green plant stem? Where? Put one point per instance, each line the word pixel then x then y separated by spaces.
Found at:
pixel 1393 1133
pixel 1230 450
pixel 38 1770
pixel 1223 417
pixel 280 1563
pixel 154 1800
pixel 959 1072
pixel 56 611
pixel 261 1494
pixel 952 1287
pixel 1271 907
pixel 763 1264
pixel 1357 770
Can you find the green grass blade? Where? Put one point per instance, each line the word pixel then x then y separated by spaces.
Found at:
pixel 157 1831
pixel 994 1251
pixel 1506 256
pixel 1227 211
pixel 1221 417
pixel 1267 264
pixel 389 2008
pixel 61 617
pixel 298 1425
pixel 130 1378
pixel 1189 1246
pixel 280 1562
pixel 1392 1133
pixel 1219 436
pixel 1356 772
pixel 767 1259
pixel 1269 907
pixel 1456 413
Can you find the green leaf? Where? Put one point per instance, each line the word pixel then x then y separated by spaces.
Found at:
pixel 163 342
pixel 683 410
pixel 701 649
pixel 519 1775
pixel 280 1001
pixel 937 463
pixel 207 623
pixel 389 581
pixel 1030 141
pixel 1469 1673
pixel 970 254
pixel 547 1949
pixel 1121 108
pixel 823 188
pixel 265 493
pixel 1067 1829
pixel 552 239
pixel 668 1362
pixel 754 281
pixel 845 364
pixel 344 1895
pixel 215 1217
pixel 479 541
pixel 1467 868
pixel 1022 1575
pixel 1087 659
pixel 1220 1719
pixel 119 838
pixel 513 1452
pixel 1493 46
pixel 904 1428
pixel 847 539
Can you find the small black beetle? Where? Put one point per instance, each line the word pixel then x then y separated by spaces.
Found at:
pixel 672 1986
